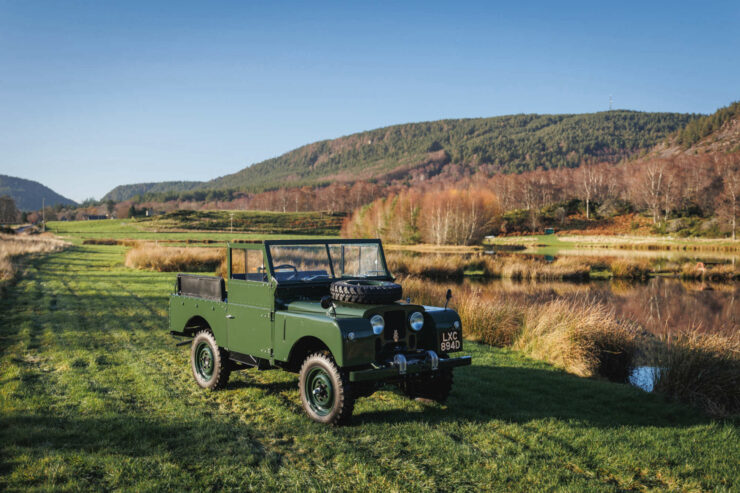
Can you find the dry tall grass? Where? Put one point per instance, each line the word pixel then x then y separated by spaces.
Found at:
pixel 583 337
pixel 702 369
pixel 174 259
pixel 524 268
pixel 12 247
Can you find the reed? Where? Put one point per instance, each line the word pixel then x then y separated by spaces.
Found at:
pixel 148 256
pixel 583 337
pixel 430 266
pixel 701 369
pixel 14 247
pixel 699 271
pixel 629 268
pixel 580 336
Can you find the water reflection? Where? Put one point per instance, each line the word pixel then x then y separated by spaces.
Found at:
pixel 660 305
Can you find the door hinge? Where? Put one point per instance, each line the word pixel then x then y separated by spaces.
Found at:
pixel 272 316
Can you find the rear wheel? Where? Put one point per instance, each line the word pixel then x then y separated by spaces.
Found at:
pixel 209 363
pixel 435 386
pixel 325 392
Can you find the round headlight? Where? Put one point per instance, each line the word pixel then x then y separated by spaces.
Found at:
pixel 417 321
pixel 378 324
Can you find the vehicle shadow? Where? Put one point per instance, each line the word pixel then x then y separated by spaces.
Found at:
pixel 521 395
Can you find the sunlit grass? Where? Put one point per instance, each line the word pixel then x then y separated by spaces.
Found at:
pixel 95 396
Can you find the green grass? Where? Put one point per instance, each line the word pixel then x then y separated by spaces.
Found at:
pixel 94 395
pixel 120 229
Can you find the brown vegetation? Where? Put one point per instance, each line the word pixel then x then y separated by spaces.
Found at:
pixel 13 247
pixel 580 336
pixel 174 259
pixel 702 369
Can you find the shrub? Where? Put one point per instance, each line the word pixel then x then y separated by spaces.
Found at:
pixel 701 369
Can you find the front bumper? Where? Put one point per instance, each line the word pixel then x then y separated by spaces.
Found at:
pixel 393 369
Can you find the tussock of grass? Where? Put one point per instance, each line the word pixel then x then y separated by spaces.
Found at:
pixel 699 271
pixel 13 247
pixel 110 241
pixel 431 266
pixel 629 268
pixel 523 268
pixel 702 369
pixel 174 259
pixel 583 337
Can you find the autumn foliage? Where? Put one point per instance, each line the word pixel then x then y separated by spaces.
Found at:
pixel 451 216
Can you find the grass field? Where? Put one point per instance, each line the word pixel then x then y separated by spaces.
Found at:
pixel 94 395
pixel 127 229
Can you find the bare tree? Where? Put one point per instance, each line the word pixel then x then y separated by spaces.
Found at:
pixel 8 211
pixel 728 166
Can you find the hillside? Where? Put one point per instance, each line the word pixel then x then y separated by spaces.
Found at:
pixel 125 192
pixel 718 132
pixel 508 144
pixel 28 194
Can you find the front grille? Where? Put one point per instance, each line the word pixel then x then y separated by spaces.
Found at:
pixel 394 321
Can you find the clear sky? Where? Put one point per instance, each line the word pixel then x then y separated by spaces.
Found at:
pixel 99 93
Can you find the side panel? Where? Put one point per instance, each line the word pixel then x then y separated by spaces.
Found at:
pixel 250 312
pixel 291 327
pixel 184 308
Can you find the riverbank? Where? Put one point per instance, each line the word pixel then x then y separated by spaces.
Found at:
pixel 584 336
pixel 566 267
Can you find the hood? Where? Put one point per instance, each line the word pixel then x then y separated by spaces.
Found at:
pixel 349 310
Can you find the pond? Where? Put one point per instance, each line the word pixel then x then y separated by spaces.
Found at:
pixel 660 305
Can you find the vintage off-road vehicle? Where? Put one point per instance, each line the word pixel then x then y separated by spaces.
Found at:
pixel 327 309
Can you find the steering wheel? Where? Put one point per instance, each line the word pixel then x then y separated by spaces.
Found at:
pixel 287 266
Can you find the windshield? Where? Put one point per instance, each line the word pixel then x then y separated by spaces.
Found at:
pixel 327 261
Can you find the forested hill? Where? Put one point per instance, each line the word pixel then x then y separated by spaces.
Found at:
pixel 125 192
pixel 28 194
pixel 507 143
pixel 718 132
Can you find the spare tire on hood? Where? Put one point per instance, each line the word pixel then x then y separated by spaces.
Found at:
pixel 366 291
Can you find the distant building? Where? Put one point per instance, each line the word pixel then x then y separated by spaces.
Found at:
pixel 93 217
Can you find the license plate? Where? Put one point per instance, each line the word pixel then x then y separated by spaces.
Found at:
pixel 450 340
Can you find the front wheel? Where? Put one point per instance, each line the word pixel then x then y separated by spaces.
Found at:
pixel 209 363
pixel 325 392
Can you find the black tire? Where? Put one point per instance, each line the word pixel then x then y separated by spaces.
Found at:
pixel 435 386
pixel 366 292
pixel 208 362
pixel 325 390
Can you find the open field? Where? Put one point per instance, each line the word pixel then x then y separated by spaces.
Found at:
pixel 128 229
pixel 94 394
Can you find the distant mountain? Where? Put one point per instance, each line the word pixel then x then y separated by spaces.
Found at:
pixel 506 144
pixel 28 194
pixel 125 192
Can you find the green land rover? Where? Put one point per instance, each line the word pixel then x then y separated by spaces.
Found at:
pixel 326 309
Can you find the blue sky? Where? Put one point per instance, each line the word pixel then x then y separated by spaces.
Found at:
pixel 99 93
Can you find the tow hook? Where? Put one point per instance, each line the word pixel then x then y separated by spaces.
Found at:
pixel 399 360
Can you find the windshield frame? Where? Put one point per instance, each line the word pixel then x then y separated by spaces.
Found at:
pixel 327 244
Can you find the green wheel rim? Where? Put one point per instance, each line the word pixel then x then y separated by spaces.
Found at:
pixel 204 360
pixel 319 391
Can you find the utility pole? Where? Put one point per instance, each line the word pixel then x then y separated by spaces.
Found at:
pixel 610 102
pixel 43 215
pixel 232 221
